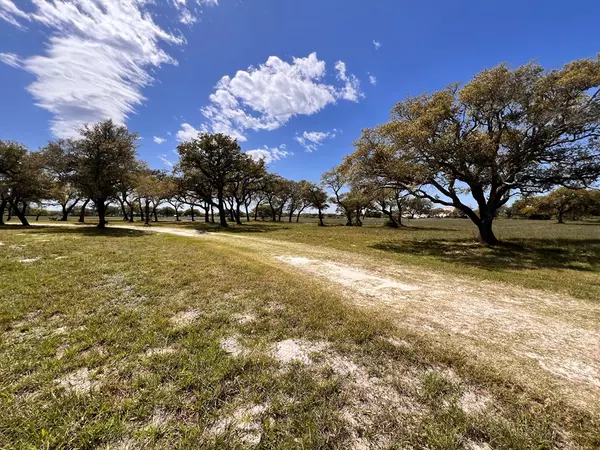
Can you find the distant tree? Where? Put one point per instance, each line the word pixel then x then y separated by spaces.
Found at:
pixel 211 159
pixel 317 198
pixel 174 194
pixel 58 162
pixel 262 212
pixel 338 180
pixel 416 206
pixel 564 202
pixel 246 179
pixel 103 158
pixel 151 187
pixel 22 179
pixel 390 201
pixel 298 199
pixel 507 131
pixel 277 192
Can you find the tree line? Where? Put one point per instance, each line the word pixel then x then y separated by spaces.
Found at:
pixel 505 134
pixel 102 167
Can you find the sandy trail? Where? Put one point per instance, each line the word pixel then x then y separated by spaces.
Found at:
pixel 537 337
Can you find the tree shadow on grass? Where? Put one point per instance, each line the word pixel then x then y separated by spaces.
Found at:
pixel 245 228
pixel 580 255
pixel 90 231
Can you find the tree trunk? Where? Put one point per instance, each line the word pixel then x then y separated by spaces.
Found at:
pixel 124 211
pixel 131 213
pixel 321 224
pixel 142 216
pixel 154 214
pixel 21 216
pixel 238 214
pixel 290 216
pixel 147 213
pixel 392 220
pixel 101 206
pixel 358 221
pixel 560 216
pixel 176 215
pixel 10 211
pixel 37 217
pixel 348 218
pixel 82 212
pixel 486 234
pixel 65 214
pixel 3 204
pixel 212 214
pixel 222 213
pixel 247 213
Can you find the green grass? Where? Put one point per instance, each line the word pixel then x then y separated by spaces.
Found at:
pixel 561 258
pixel 99 308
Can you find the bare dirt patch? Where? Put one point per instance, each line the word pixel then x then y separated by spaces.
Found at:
pixel 232 346
pixel 185 318
pixel 30 260
pixel 355 278
pixel 79 382
pixel 475 401
pixel 244 423
pixel 160 419
pixel 560 334
pixel 292 350
pixel 243 319
pixel 160 351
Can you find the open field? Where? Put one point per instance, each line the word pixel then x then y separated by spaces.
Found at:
pixel 561 258
pixel 129 339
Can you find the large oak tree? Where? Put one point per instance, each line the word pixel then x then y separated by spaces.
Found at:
pixel 506 131
pixel 210 161
pixel 103 159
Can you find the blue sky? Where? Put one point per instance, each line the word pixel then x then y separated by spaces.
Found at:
pixel 299 86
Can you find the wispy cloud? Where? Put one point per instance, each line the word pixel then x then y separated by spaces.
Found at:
pixel 11 59
pixel 312 140
pixel 99 57
pixel 159 140
pixel 376 44
pixel 167 162
pixel 372 80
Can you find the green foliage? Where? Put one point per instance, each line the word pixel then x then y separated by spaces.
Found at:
pixel 22 178
pixel 505 131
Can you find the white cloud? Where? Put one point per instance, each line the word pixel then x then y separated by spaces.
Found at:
pixel 351 89
pixel 98 58
pixel 187 18
pixel 372 80
pixel 11 14
pixel 269 154
pixel 267 96
pixel 376 44
pixel 166 162
pixel 187 133
pixel 11 59
pixel 311 140
pixel 159 140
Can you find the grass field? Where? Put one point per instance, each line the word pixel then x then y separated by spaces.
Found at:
pixel 125 339
pixel 562 258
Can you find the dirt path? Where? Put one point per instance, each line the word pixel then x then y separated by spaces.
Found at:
pixel 541 339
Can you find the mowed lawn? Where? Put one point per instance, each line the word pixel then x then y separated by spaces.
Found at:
pixel 124 339
pixel 563 258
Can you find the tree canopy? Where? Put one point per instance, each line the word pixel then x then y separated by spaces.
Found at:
pixel 506 131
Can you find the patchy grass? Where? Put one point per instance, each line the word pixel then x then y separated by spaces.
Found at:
pixel 562 258
pixel 123 338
